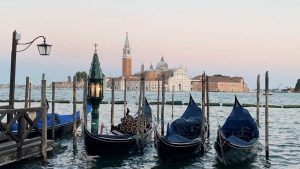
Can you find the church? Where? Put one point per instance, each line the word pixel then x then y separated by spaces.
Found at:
pixel 176 78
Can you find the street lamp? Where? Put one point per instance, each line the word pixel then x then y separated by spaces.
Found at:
pixel 44 49
pixel 95 90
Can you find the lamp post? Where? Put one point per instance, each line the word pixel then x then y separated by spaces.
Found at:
pixel 95 90
pixel 44 49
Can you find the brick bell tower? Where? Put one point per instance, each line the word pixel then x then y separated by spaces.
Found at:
pixel 126 59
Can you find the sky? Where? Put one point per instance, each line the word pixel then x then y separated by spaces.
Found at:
pixel 228 37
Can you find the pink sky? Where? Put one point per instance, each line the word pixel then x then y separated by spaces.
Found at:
pixel 236 38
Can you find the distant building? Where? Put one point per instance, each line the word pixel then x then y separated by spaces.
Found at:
pixel 219 83
pixel 177 78
pixel 126 59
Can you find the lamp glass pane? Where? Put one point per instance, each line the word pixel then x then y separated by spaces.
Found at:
pixel 44 49
pixel 92 90
pixel 97 90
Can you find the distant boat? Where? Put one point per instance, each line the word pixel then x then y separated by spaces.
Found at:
pixel 237 139
pixel 269 93
pixel 183 135
pixel 118 141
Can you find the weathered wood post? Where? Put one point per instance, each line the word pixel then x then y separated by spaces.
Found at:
pixel 163 104
pixel 257 98
pixel 203 115
pixel 158 93
pixel 138 127
pixel 125 100
pixel 84 102
pixel 207 106
pixel 267 115
pixel 112 110
pixel 44 120
pixel 139 120
pixel 26 99
pixel 26 92
pixel 12 74
pixel 22 123
pixel 29 94
pixel 142 114
pixel 74 114
pixel 173 101
pixel 140 96
pixel 53 110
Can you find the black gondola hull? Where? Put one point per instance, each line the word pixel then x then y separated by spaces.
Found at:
pixel 111 145
pixel 171 151
pixel 229 153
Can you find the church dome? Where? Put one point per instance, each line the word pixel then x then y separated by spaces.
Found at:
pixel 162 64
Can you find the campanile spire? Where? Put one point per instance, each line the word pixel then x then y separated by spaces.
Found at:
pixel 126 59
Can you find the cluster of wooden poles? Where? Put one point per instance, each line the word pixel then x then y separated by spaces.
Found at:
pixel 44 113
pixel 205 101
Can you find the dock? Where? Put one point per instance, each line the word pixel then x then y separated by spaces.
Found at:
pixel 15 143
pixel 31 148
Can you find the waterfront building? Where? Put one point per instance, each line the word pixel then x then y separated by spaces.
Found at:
pixel 220 83
pixel 176 78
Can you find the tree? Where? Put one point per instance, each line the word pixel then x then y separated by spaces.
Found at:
pixel 80 76
pixel 69 79
pixel 297 87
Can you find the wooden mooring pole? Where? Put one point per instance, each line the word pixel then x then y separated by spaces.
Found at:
pixel 267 115
pixel 26 98
pixel 26 92
pixel 74 114
pixel 202 135
pixel 125 100
pixel 257 98
pixel 112 110
pixel 140 109
pixel 84 104
pixel 140 97
pixel 44 120
pixel 172 101
pixel 142 114
pixel 158 93
pixel 163 104
pixel 29 93
pixel 207 106
pixel 53 110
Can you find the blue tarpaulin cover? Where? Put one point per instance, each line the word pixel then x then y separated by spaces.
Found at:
pixel 187 127
pixel 240 128
pixel 58 118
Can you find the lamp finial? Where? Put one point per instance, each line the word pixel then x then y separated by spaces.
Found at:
pixel 96 47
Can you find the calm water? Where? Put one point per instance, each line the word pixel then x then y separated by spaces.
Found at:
pixel 284 133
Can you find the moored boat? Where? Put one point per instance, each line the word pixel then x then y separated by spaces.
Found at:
pixel 237 139
pixel 183 135
pixel 122 138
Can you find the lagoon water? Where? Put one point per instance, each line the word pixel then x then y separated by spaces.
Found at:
pixel 284 128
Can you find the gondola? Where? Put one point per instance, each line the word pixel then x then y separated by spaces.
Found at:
pixel 237 139
pixel 183 135
pixel 118 141
pixel 63 124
